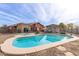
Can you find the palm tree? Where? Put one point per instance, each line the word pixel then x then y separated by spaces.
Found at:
pixel 70 27
pixel 77 30
pixel 62 28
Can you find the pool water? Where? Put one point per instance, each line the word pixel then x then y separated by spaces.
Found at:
pixel 32 41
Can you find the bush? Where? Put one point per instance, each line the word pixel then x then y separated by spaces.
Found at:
pixel 62 33
pixel 37 32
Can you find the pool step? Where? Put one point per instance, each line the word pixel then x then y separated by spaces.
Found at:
pixel 44 39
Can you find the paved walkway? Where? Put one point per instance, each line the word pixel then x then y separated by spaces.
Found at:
pixel 68 49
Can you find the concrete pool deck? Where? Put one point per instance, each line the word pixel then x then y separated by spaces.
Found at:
pixel 9 49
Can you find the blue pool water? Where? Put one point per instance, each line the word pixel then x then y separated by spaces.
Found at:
pixel 32 41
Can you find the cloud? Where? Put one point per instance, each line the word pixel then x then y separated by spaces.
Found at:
pixel 66 11
pixel 71 11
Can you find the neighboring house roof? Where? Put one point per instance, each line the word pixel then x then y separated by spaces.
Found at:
pixel 52 26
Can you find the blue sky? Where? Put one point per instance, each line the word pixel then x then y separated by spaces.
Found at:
pixel 45 13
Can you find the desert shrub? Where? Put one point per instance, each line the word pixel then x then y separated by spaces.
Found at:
pixel 62 33
pixel 36 32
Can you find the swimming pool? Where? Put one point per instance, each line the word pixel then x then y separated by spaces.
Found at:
pixel 32 41
pixel 23 44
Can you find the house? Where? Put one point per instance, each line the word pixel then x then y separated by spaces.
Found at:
pixel 22 27
pixel 53 28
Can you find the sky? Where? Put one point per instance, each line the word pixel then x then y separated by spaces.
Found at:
pixel 66 11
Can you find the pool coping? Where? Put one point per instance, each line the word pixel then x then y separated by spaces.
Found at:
pixel 7 47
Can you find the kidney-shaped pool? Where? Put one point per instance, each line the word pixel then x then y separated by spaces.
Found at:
pixel 32 41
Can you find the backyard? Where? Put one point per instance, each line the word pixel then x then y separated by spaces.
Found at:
pixel 67 49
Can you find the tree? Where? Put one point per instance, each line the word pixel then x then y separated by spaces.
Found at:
pixel 62 28
pixel 77 29
pixel 70 27
pixel 26 29
pixel 3 29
